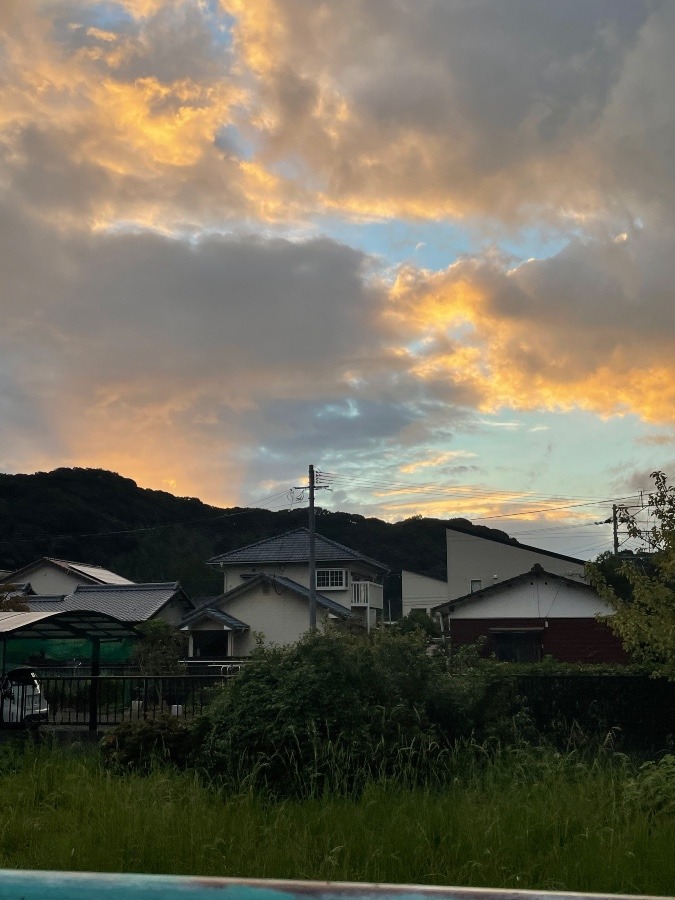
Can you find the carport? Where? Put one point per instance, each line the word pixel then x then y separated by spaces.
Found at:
pixel 93 626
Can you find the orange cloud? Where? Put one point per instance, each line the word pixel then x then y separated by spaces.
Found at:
pixel 487 330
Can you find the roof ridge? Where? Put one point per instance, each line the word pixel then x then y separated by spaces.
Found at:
pixel 347 552
pixel 143 586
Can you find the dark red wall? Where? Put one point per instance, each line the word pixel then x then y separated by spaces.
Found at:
pixel 567 640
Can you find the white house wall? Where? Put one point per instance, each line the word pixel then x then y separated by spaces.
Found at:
pixel 47 580
pixel 475 558
pixel 538 599
pixel 281 618
pixel 421 592
pixel 298 572
pixel 173 612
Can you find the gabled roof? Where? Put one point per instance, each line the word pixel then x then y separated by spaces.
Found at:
pixel 535 572
pixel 276 581
pixel 127 602
pixel 292 547
pixel 230 622
pixel 88 571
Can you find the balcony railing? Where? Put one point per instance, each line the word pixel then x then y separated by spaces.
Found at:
pixel 367 593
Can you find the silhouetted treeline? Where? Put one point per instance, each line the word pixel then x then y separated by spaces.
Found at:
pixel 91 515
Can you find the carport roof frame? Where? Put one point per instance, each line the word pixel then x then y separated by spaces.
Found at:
pixel 63 625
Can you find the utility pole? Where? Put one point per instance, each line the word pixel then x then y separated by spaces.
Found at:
pixel 615 528
pixel 312 554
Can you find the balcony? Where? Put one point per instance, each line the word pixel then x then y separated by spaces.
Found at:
pixel 367 593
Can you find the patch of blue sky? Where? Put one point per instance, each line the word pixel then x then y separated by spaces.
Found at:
pixel 346 410
pixel 427 245
pixel 107 16
pixel 233 141
pixel 436 245
pixel 536 450
pixel 220 24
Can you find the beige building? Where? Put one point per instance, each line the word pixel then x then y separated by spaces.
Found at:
pixel 266 594
pixel 479 561
pixel 476 562
pixel 421 592
pixel 51 576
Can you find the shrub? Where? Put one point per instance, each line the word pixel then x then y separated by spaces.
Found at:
pixel 654 788
pixel 139 746
pixel 336 710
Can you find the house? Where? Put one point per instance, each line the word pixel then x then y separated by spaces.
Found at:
pixel 532 615
pixel 60 576
pixel 266 594
pixel 475 560
pixel 60 585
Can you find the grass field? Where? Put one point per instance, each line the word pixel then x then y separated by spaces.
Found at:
pixel 517 818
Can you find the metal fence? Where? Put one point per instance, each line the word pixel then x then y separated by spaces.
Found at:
pixel 109 700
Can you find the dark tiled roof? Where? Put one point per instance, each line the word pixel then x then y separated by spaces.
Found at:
pixel 292 547
pixel 129 603
pixel 337 608
pixel 214 613
pixel 278 581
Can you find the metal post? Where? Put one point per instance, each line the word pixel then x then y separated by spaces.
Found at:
pixel 312 554
pixel 93 684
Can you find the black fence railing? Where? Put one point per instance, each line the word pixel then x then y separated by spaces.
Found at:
pixel 108 700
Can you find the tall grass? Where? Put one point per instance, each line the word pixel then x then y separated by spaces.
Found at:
pixel 500 818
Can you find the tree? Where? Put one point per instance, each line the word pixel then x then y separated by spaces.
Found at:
pixel 160 648
pixel 419 620
pixel 11 600
pixel 644 616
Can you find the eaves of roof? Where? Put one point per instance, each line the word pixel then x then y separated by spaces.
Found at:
pixel 231 622
pixel 127 602
pixel 94 573
pixel 276 581
pixel 505 585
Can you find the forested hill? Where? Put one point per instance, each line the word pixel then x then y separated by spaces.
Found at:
pixel 91 515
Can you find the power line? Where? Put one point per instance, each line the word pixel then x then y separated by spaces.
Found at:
pixel 465 492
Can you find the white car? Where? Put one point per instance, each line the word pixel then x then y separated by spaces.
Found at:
pixel 21 699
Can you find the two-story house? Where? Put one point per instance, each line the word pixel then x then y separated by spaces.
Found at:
pixel 266 590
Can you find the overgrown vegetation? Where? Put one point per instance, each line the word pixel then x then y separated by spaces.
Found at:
pixel 357 758
pixel 346 704
pixel 518 817
pixel 644 601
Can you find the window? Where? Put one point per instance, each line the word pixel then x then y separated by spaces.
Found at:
pixel 331 579
pixel 476 585
pixel 517 646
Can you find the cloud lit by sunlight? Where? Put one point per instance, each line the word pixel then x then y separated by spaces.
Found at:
pixel 437 240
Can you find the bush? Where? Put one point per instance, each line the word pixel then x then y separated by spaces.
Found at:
pixel 654 788
pixel 336 710
pixel 139 746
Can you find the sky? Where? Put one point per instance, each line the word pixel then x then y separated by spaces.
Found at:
pixel 427 246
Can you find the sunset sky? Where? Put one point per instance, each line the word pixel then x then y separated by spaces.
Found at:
pixel 426 245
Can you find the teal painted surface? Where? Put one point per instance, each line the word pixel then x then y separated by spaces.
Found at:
pixel 30 885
